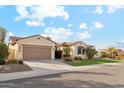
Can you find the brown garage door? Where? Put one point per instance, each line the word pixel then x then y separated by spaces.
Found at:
pixel 36 52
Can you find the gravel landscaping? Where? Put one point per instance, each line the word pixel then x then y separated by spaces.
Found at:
pixel 9 68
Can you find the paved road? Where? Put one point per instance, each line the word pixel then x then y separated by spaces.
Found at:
pixel 107 76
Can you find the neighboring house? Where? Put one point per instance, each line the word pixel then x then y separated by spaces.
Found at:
pixel 31 48
pixel 77 48
pixel 121 53
pixel 107 50
pixel 103 50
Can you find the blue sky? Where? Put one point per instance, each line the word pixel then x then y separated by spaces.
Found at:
pixel 101 26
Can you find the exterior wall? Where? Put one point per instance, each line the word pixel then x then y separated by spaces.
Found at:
pixel 13 51
pixel 74 51
pixel 35 42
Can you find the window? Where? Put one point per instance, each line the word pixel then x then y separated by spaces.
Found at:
pixel 83 50
pixel 78 50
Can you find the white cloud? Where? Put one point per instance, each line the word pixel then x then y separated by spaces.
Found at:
pixel 34 23
pixel 83 26
pixel 99 10
pixel 119 44
pixel 98 25
pixel 39 13
pixel 64 34
pixel 10 34
pixel 110 9
pixel 114 8
pixel 22 11
pixel 57 34
pixel 82 35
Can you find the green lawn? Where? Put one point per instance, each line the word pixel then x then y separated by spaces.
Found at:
pixel 93 61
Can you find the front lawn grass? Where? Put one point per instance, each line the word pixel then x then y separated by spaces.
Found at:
pixel 93 61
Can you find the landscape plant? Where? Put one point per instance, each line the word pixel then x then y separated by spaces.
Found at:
pixel 90 52
pixel 3 46
pixel 113 52
pixel 67 51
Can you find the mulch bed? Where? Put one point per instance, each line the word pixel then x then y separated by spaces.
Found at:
pixel 9 68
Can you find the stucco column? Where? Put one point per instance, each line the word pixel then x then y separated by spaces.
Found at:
pixel 53 53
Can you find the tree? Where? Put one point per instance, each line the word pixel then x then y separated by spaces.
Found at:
pixel 2 34
pixel 3 46
pixel 90 52
pixel 3 51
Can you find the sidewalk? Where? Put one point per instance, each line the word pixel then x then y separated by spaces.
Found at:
pixel 41 72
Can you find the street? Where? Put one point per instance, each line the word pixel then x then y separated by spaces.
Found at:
pixel 111 76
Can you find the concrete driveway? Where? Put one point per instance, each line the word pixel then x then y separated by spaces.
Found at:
pixel 56 65
pixel 41 67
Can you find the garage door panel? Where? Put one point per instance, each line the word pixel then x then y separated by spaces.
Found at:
pixel 36 53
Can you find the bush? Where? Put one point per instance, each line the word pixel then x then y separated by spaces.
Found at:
pixel 2 62
pixel 20 62
pixel 3 51
pixel 68 59
pixel 66 55
pixel 14 61
pixel 90 52
pixel 67 51
pixel 78 58
pixel 58 54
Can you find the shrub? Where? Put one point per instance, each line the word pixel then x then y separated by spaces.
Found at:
pixel 90 52
pixel 20 62
pixel 14 61
pixel 68 59
pixel 3 51
pixel 66 55
pixel 67 51
pixel 58 53
pixel 2 62
pixel 78 58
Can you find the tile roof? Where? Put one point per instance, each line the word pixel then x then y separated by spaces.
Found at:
pixel 68 43
pixel 14 39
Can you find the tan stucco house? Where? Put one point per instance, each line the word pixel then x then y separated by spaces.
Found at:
pixel 31 48
pixel 37 47
pixel 77 48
